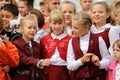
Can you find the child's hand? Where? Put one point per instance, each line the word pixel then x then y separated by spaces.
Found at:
pixel 6 68
pixel 95 60
pixel 46 62
pixel 86 57
pixel 4 38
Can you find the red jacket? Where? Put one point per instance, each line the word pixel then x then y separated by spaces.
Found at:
pixel 49 45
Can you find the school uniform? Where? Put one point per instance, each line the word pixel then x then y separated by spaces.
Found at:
pixel 78 46
pixel 30 58
pixel 109 34
pixel 8 56
pixel 55 48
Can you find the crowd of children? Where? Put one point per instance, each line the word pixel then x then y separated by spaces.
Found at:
pixel 59 43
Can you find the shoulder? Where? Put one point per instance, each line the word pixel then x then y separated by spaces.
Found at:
pixel 46 37
pixel 35 43
pixel 19 42
pixel 113 64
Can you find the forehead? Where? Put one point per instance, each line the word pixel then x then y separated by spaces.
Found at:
pixel 98 7
pixel 4 12
pixel 67 6
pixel 86 0
pixel 29 23
pixel 54 1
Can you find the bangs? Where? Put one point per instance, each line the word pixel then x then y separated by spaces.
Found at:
pixel 57 16
pixel 57 19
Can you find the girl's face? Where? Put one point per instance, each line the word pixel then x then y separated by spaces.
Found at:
pixel 28 30
pixel 99 14
pixel 23 8
pixel 116 53
pixel 68 10
pixel 79 30
pixel 7 16
pixel 56 27
pixel 3 2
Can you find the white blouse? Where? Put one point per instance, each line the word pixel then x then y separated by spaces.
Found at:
pixel 113 34
pixel 56 59
pixel 73 64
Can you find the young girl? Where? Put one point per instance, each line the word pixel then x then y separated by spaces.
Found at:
pixel 69 9
pixel 87 54
pixel 100 15
pixel 38 16
pixel 55 47
pixel 29 52
pixel 114 67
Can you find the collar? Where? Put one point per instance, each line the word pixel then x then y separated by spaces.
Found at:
pixel 94 29
pixel 59 36
pixel 85 36
pixel 20 41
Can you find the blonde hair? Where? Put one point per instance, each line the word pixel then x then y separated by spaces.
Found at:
pixel 82 18
pixel 117 43
pixel 25 19
pixel 68 2
pixel 57 16
pixel 107 9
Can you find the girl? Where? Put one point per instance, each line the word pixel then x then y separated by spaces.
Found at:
pixel 114 67
pixel 29 52
pixel 100 15
pixel 55 47
pixel 38 16
pixel 69 9
pixel 87 54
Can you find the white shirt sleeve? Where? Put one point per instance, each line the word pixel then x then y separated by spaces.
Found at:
pixel 113 36
pixel 72 64
pixel 106 57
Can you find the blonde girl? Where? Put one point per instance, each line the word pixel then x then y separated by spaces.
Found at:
pixel 55 47
pixel 31 60
pixel 87 54
pixel 101 27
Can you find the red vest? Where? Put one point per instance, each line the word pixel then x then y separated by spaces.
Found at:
pixel 49 46
pixel 87 70
pixel 105 37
